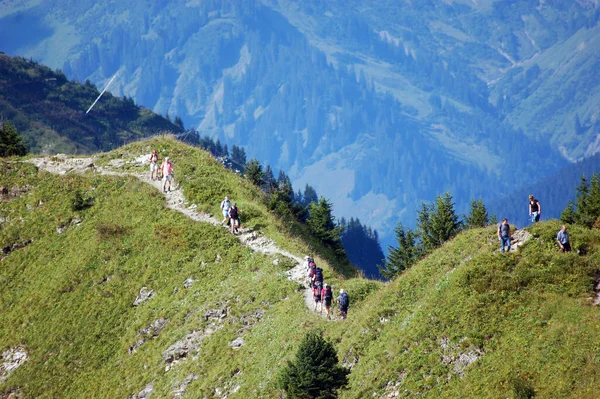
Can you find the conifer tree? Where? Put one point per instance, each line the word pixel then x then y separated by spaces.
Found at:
pixel 568 215
pixel 587 204
pixel 315 372
pixel 10 141
pixel 478 215
pixel 322 224
pixel 404 255
pixel 254 172
pixel 269 183
pixel 438 222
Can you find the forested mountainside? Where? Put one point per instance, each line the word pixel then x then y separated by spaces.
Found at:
pixel 131 293
pixel 49 111
pixel 379 105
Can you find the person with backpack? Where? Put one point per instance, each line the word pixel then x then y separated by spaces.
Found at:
pixel 167 172
pixel 225 205
pixel 535 209
pixel 318 277
pixel 312 268
pixel 327 298
pixel 504 234
pixel 317 292
pixel 153 165
pixel 234 218
pixel 344 302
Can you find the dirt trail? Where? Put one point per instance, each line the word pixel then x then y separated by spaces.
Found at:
pixel 61 164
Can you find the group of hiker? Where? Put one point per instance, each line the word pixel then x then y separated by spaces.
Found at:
pixel 165 171
pixel 535 212
pixel 323 292
pixel 231 214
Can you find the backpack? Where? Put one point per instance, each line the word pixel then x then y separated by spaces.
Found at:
pixel 317 290
pixel 328 293
pixel 319 274
pixel 312 270
pixel 344 300
pixel 233 213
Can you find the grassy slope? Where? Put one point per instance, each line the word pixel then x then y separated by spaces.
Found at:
pixel 527 311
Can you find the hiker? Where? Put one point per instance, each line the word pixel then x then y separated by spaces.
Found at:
pixel 563 239
pixel 535 209
pixel 504 234
pixel 153 165
pixel 312 268
pixel 327 298
pixel 318 276
pixel 234 218
pixel 167 172
pixel 308 261
pixel 317 290
pixel 344 302
pixel 225 205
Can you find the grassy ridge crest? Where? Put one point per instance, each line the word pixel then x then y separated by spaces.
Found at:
pixel 464 322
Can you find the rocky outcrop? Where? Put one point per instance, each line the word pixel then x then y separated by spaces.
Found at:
pixel 12 359
pixel 144 393
pixel 190 343
pixel 150 332
pixel 144 295
pixel 458 357
pixel 180 387
pixel 13 247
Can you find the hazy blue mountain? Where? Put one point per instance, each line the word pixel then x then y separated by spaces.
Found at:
pixel 378 105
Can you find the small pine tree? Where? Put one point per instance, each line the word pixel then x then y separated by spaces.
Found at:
pixel 254 172
pixel 493 219
pixel 315 372
pixel 587 205
pixel 402 257
pixel 10 141
pixel 568 215
pixel 478 215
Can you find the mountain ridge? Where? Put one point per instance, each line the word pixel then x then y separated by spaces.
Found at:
pixel 210 318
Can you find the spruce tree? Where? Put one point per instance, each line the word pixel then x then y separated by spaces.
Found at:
pixel 322 224
pixel 478 215
pixel 10 141
pixel 445 222
pixel 254 172
pixel 315 372
pixel 438 222
pixel 404 255
pixel 568 215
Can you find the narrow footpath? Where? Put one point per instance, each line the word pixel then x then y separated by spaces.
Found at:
pixel 62 164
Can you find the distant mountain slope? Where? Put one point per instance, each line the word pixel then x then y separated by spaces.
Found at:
pixel 49 111
pixel 124 297
pixel 378 105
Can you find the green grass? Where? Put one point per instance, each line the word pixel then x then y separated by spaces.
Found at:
pixel 68 298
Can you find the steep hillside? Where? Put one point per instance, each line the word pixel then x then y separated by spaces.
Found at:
pixel 49 111
pixel 378 105
pixel 122 295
